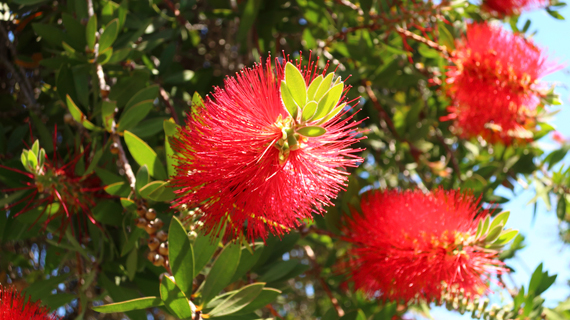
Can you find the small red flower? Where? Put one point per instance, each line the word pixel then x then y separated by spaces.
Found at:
pixel 410 245
pixel 494 91
pixel 15 306
pixel 54 184
pixel 512 7
pixel 267 150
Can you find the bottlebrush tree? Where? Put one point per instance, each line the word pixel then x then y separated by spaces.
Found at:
pixel 271 159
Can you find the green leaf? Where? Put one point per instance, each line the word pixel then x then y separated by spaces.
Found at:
pixel 65 84
pixel 136 304
pixel 309 111
pixel 561 207
pixel 555 14
pixel 142 178
pixel 128 204
pixel 170 130
pixel 144 154
pixel 266 296
pixel 296 84
pixel 109 35
pixel 57 300
pixel 329 101
pixel 118 189
pixel 179 77
pixel 11 198
pixel 501 218
pixel 247 20
pixel 121 293
pixel 131 264
pixel 104 56
pixel 312 131
pixel 157 191
pixel 108 114
pixel 174 299
pixel 131 117
pixel 494 234
pixel 238 300
pixel 90 32
pixel 181 256
pixel 108 212
pixel 148 128
pixel 332 114
pixel 222 272
pixel 278 270
pixel 323 87
pixel 288 101
pixel 119 55
pixel 204 248
pixel 148 93
pixel 506 237
pixel 75 30
pixel 50 33
pixel 445 36
pixel 78 115
pixel 247 261
pixel 313 87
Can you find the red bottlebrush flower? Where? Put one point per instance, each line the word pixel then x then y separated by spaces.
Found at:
pixel 511 7
pixel 56 186
pixel 267 150
pixel 409 245
pixel 15 306
pixel 559 137
pixel 494 91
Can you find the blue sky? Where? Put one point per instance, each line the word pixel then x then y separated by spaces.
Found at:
pixel 543 244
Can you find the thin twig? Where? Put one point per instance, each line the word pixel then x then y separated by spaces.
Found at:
pixel 350 5
pixel 428 42
pixel 170 107
pixel 317 271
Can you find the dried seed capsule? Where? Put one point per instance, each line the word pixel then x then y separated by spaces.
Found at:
pixel 141 211
pixel 141 223
pixel 153 243
pixel 163 249
pixel 150 214
pixel 157 223
pixel 162 235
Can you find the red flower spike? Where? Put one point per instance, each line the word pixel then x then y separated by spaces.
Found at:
pixel 261 155
pixel 512 7
pixel 15 306
pixel 50 181
pixel 494 91
pixel 408 245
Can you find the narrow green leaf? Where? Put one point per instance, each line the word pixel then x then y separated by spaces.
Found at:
pixel 222 272
pixel 11 198
pixel 105 56
pixel 561 207
pixel 90 32
pixel 506 237
pixel 109 35
pixel 148 93
pixel 118 189
pixel 96 157
pixel 238 300
pixel 354 315
pixel 132 264
pixel 266 296
pixel 142 178
pixel 445 36
pixel 247 19
pixel 170 130
pixel 119 55
pixel 309 111
pixel 174 299
pixel 501 218
pixel 494 234
pixel 181 256
pixel 144 154
pixel 160 191
pixel 121 293
pixel 204 248
pixel 324 87
pixel 332 114
pixel 279 270
pixel 296 84
pixel 78 115
pixel 49 33
pixel 136 304
pixel 311 131
pixel 108 114
pixel 131 117
pixel 247 261
pixel 288 101
pixel 75 30
pixel 329 101
pixel 313 87
pixel 128 204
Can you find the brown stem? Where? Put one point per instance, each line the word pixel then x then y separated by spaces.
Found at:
pixel 350 5
pixel 317 271
pixel 428 42
pixel 166 101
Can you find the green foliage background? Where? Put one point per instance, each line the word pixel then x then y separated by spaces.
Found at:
pixel 68 64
